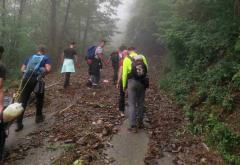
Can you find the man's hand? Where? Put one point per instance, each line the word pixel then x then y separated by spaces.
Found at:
pixel 106 63
pixel 117 85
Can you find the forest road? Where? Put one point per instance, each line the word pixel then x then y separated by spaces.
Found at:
pixel 82 132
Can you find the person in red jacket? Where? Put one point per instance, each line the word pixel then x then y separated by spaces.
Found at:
pixel 124 53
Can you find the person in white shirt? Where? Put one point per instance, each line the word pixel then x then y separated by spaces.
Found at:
pixel 97 63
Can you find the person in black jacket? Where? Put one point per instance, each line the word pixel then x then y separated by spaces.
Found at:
pixel 2 129
pixel 114 58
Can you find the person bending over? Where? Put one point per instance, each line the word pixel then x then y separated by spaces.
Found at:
pixel 34 69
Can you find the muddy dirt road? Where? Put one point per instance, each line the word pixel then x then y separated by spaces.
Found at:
pixel 84 126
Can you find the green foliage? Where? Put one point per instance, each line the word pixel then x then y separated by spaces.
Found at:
pixel 237 45
pixel 236 80
pixel 223 139
pixel 203 39
pixel 25 24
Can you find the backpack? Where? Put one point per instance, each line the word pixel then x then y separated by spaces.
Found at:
pixel 91 52
pixel 33 66
pixel 139 68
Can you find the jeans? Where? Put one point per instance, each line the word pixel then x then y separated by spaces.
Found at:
pixel 136 98
pixel 26 93
pixel 2 139
pixel 121 98
pixel 67 79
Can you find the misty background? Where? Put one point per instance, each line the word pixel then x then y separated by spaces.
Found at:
pixel 124 12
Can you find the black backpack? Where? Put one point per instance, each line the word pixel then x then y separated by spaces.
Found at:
pixel 139 68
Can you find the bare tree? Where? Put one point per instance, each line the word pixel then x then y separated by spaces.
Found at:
pixel 53 29
pixel 237 8
pixel 66 17
pixel 18 26
pixel 64 27
pixel 86 28
pixel 3 21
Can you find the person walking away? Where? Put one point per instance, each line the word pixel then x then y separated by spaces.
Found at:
pixel 69 57
pixel 114 58
pixel 96 65
pixel 2 129
pixel 134 74
pixel 89 60
pixel 121 103
pixel 34 69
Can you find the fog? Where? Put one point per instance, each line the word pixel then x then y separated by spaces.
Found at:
pixel 123 14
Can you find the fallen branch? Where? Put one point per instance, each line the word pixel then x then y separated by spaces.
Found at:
pixel 205 146
pixel 70 106
pixel 52 85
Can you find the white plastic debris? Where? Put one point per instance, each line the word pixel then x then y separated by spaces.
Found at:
pixel 106 81
pixel 12 112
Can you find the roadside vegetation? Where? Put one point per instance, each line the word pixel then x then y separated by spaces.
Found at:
pixel 202 66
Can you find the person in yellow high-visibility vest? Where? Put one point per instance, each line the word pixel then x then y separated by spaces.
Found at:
pixel 135 84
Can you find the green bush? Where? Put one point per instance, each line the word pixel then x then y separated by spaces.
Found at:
pixel 202 37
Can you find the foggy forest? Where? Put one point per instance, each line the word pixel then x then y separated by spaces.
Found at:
pixel 120 82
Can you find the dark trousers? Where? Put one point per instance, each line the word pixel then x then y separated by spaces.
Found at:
pixel 115 72
pixel 95 71
pixel 89 69
pixel 121 98
pixel 67 79
pixel 26 93
pixel 2 139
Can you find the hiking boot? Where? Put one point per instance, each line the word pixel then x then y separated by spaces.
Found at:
pixel 96 86
pixel 19 127
pixel 89 84
pixel 39 119
pixel 133 129
pixel 122 114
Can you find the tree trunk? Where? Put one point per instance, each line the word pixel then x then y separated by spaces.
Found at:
pixel 3 22
pixel 80 29
pixel 53 31
pixel 17 31
pixel 85 33
pixel 19 22
pixel 21 9
pixel 64 27
pixel 237 8
pixel 66 17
